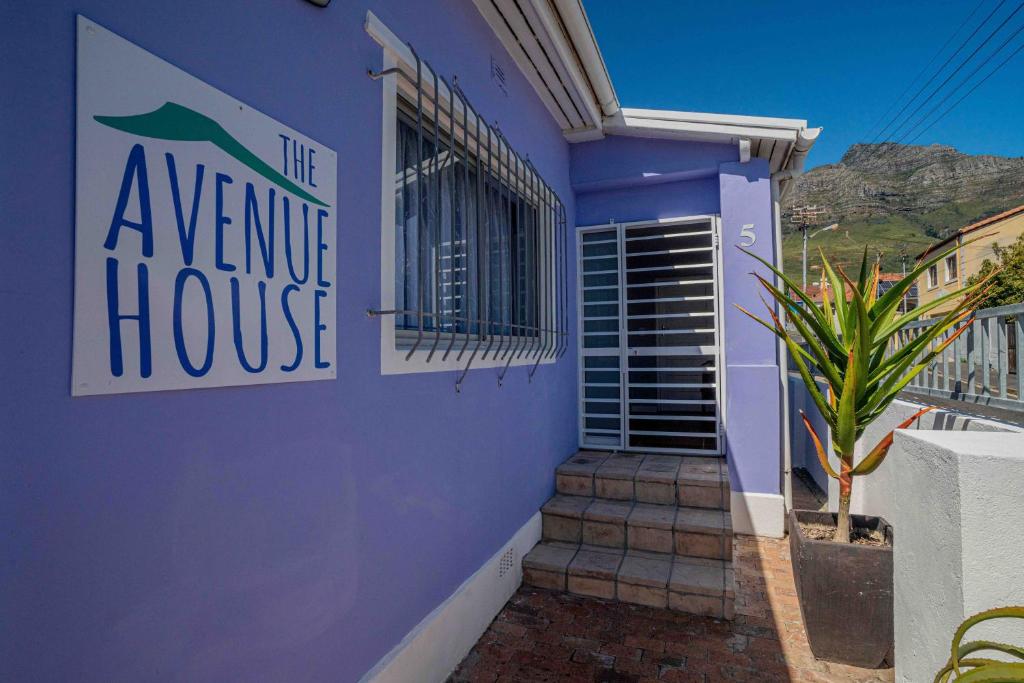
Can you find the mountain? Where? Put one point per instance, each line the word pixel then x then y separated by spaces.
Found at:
pixel 897 199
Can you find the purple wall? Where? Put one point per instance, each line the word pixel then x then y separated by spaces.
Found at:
pixel 753 397
pixel 623 179
pixel 279 532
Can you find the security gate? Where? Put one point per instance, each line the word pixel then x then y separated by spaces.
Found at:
pixel 649 336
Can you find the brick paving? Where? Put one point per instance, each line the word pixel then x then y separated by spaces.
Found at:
pixel 548 636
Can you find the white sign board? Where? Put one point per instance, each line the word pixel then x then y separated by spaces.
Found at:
pixel 205 233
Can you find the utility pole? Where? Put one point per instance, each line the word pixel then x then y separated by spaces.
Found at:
pixel 805 217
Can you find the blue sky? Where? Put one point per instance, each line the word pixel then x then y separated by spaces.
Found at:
pixel 836 64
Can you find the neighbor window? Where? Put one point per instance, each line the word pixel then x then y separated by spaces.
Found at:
pixel 933 276
pixel 951 273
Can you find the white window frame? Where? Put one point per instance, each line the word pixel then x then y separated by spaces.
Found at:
pixel 718 350
pixel 951 273
pixel 933 276
pixel 393 358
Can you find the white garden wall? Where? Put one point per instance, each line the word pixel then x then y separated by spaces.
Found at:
pixel 874 494
pixel 959 540
pixel 953 489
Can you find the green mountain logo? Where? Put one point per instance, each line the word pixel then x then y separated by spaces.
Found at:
pixel 175 122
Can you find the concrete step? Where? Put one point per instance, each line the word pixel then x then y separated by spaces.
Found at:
pixel 656 479
pixel 685 584
pixel 627 525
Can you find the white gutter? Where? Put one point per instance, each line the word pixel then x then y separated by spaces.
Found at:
pixel 582 37
pixel 708 117
pixel 783 358
pixel 794 166
pixel 568 57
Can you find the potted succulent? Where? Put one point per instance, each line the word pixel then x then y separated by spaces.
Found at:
pixel 842 562
pixel 966 666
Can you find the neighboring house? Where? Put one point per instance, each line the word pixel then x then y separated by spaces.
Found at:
pixel 910 299
pixel 974 244
pixel 540 265
pixel 885 283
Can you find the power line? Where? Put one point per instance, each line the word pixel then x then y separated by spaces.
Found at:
pixel 962 83
pixel 890 150
pixel 939 71
pixel 911 84
pixel 968 93
pixel 964 63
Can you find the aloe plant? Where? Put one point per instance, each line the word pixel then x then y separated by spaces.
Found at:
pixel 850 339
pixel 965 666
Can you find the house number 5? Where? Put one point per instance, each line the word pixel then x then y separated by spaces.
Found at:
pixel 748 235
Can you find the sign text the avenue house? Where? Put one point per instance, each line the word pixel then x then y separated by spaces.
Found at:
pixel 205 233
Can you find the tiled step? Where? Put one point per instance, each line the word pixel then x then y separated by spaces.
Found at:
pixel 695 532
pixel 686 584
pixel 656 479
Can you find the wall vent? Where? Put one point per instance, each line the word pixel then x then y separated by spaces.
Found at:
pixel 507 562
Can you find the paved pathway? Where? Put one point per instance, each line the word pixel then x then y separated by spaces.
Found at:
pixel 546 636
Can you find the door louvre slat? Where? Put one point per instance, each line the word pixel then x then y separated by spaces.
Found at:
pixel 660 414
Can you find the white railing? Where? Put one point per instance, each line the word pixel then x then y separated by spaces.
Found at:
pixel 983 365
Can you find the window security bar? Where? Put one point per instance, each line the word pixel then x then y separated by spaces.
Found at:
pixel 501 290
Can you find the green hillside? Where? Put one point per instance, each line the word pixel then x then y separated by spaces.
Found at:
pixel 891 237
pixel 897 200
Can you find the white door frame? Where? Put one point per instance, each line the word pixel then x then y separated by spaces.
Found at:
pixel 623 351
pixel 581 353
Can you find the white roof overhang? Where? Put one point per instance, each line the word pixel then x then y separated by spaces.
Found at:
pixel 784 143
pixel 554 46
pixel 551 42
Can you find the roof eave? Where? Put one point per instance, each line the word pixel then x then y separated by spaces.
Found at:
pixel 785 143
pixel 553 44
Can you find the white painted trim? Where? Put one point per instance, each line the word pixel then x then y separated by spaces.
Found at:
pixel 522 60
pixel 581 355
pixel 697 130
pixel 384 36
pixel 791 137
pixel 581 36
pixel 389 126
pixel 567 55
pixel 704 117
pixel 721 361
pixel 744 150
pixel 717 349
pixel 432 650
pixel 758 514
pixel 583 134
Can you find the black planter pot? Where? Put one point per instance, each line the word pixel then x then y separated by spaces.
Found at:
pixel 845 592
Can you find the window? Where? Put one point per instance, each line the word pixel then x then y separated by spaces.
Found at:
pixel 447 208
pixel 951 273
pixel 474 248
pixel 933 277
